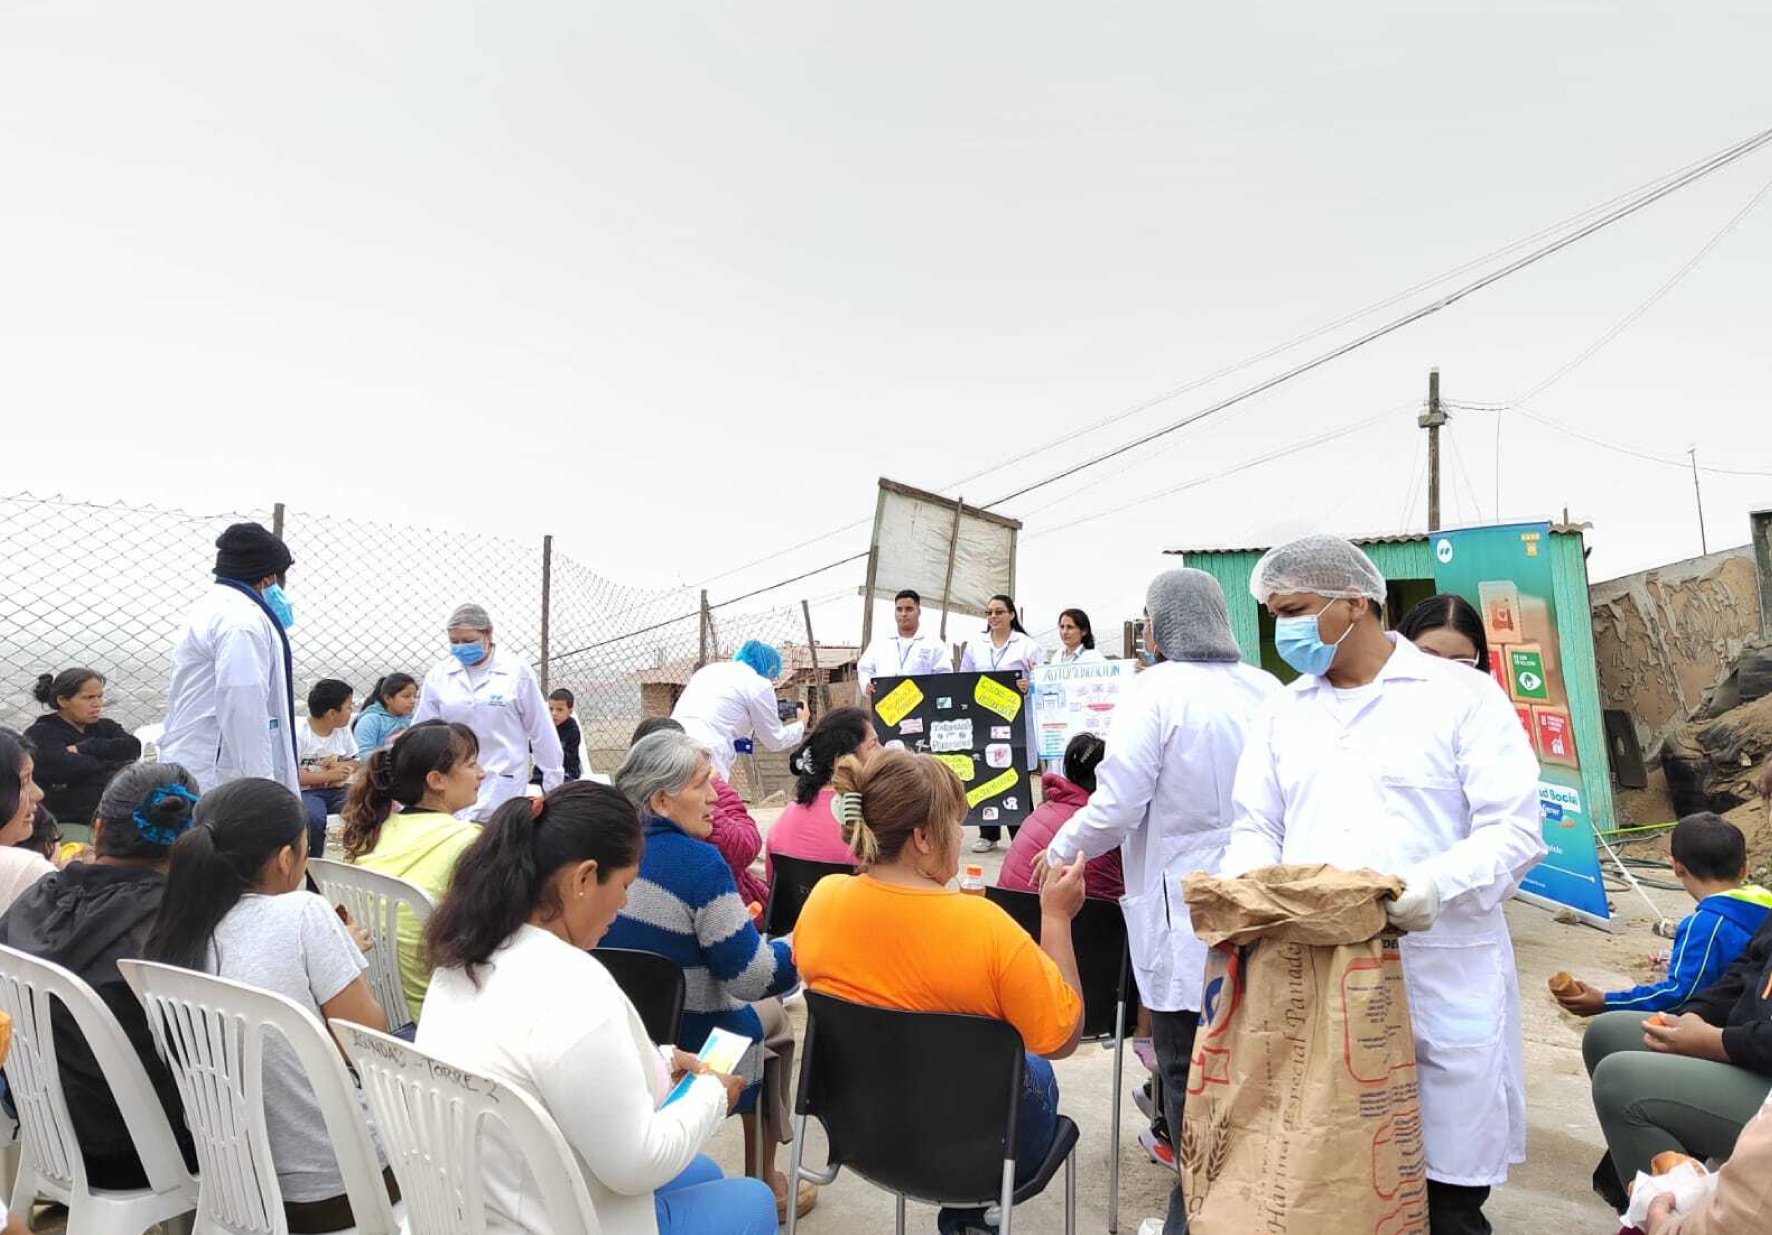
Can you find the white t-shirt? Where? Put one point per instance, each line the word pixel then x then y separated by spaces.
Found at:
pixel 316 749
pixel 295 945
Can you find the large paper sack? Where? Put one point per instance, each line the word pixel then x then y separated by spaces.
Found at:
pixel 1303 1114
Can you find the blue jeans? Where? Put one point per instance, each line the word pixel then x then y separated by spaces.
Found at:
pixel 702 1202
pixel 320 803
pixel 1036 1123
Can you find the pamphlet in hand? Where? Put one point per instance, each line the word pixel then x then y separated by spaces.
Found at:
pixel 721 1053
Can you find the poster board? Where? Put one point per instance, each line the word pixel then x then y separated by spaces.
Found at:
pixel 974 723
pixel 1077 698
pixel 939 547
pixel 1506 573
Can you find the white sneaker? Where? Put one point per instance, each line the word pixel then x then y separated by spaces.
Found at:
pixel 981 845
pixel 1151 1226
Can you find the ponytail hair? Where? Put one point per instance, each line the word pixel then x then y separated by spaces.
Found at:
pixel 839 732
pixel 396 773
pixel 239 827
pixel 506 877
pixel 881 803
pixel 388 685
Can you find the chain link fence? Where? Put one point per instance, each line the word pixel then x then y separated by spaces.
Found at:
pixel 108 586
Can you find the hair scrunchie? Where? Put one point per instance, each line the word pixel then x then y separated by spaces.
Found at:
pixel 163 834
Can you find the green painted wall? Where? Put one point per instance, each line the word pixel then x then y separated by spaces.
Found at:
pixel 1410 563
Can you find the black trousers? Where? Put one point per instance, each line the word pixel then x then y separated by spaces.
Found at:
pixel 1456 1209
pixel 1172 1037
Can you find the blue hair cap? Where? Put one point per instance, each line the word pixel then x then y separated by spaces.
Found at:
pixel 761 657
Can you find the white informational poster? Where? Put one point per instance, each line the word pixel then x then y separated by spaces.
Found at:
pixel 1077 698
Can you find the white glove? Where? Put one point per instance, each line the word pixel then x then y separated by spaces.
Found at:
pixel 1418 908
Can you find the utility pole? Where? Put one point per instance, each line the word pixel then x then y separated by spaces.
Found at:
pixel 1431 420
pixel 1703 544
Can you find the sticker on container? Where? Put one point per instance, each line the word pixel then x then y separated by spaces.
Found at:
pixel 1005 701
pixel 991 788
pixel 998 755
pixel 950 735
pixel 990 814
pixel 1011 804
pixel 961 764
pixel 913 725
pixel 943 704
pixel 1002 733
pixel 899 702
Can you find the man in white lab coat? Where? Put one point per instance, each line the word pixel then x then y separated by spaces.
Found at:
pixel 499 697
pixel 1163 797
pixel 230 706
pixel 909 653
pixel 1382 756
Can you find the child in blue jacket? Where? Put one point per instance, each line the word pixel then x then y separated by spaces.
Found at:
pixel 1710 861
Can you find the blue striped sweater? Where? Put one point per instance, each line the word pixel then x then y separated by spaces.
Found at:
pixel 685 906
pixel 1707 943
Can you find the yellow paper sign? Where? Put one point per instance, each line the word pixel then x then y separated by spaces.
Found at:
pixel 961 764
pixel 899 703
pixel 1005 701
pixel 991 788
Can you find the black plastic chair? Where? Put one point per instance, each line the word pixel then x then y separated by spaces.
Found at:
pixel 653 984
pixel 791 881
pixel 922 1104
pixel 1110 996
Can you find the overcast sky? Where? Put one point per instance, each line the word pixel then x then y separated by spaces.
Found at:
pixel 677 283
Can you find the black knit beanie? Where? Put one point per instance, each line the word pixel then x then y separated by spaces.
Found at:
pixel 249 552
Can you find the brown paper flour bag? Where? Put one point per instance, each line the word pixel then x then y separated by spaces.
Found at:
pixel 1303 1114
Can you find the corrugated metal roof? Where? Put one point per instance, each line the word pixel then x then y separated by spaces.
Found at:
pixel 1395 538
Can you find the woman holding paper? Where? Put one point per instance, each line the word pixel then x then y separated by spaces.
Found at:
pixel 1009 649
pixel 518 995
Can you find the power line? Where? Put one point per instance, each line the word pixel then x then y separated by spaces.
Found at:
pixel 1705 168
pixel 1458 461
pixel 1071 434
pixel 1616 447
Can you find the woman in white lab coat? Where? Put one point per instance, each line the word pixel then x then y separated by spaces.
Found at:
pixel 1382 756
pixel 230 705
pixel 1008 648
pixel 1076 639
pixel 499 697
pixel 734 699
pixel 1163 798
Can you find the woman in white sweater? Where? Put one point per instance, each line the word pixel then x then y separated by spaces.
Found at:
pixel 517 996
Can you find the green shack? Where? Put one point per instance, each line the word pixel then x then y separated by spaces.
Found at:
pixel 1408 565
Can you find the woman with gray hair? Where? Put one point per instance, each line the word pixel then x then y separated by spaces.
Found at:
pixel 1163 795
pixel 685 906
pixel 88 916
pixel 499 697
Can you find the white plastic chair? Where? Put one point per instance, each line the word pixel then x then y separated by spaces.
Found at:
pixel 211 1032
pixel 374 901
pixel 433 1115
pixel 51 1165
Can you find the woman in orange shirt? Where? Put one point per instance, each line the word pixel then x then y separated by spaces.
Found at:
pixel 902 815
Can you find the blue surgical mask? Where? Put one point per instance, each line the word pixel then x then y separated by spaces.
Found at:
pixel 279 605
pixel 468 653
pixel 1299 640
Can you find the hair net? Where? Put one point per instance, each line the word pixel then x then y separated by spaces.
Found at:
pixel 1189 617
pixel 468 617
pixel 1326 566
pixel 761 657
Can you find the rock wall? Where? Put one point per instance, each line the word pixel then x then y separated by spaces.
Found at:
pixel 1664 637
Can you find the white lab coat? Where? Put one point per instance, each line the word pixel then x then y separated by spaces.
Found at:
pixel 1432 778
pixel 229 713
pixel 1082 656
pixel 1019 655
pixel 728 700
pixel 895 656
pixel 1163 795
pixel 501 701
